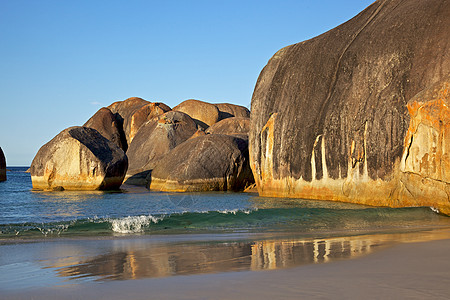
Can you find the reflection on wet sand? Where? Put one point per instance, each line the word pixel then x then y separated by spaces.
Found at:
pixel 135 259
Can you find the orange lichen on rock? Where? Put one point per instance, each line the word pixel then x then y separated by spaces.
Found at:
pixel 428 138
pixel 420 178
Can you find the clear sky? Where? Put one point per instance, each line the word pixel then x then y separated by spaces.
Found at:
pixel 60 61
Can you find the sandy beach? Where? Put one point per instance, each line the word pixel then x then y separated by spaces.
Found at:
pixel 416 267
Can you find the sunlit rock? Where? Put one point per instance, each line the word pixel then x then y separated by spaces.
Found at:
pixel 233 125
pixel 78 158
pixel 330 115
pixel 227 110
pixel 204 114
pixel 124 111
pixel 144 114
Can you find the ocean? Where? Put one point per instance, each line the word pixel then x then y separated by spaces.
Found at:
pixel 66 236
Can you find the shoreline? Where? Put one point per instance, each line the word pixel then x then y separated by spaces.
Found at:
pixel 412 265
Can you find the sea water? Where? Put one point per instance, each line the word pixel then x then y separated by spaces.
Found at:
pixel 25 213
pixel 51 238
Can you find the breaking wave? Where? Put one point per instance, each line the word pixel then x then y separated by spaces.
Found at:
pixel 301 220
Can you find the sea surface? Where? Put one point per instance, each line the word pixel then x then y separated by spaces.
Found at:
pixel 26 213
pixel 56 237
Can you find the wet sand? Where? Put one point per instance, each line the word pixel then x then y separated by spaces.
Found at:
pixel 414 267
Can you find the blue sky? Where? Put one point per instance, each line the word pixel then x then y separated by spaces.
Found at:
pixel 60 61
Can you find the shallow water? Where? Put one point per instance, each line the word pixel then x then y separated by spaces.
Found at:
pixel 34 214
pixel 57 238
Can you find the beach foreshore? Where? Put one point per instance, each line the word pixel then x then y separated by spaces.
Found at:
pixel 415 267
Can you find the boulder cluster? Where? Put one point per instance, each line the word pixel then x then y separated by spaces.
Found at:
pixel 358 114
pixel 196 146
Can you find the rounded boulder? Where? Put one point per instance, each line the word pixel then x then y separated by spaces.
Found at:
pixel 227 110
pixel 206 163
pixel 144 114
pixel 154 140
pixel 106 124
pixel 203 113
pixel 124 110
pixel 331 115
pixel 233 125
pixel 78 158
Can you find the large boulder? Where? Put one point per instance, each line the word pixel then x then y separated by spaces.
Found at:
pixel 144 114
pixel 124 110
pixel 227 110
pixel 154 140
pixel 107 125
pixel 330 119
pixel 204 114
pixel 211 162
pixel 2 166
pixel 233 125
pixel 79 158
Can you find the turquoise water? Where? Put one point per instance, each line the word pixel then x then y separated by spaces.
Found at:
pixel 54 239
pixel 136 211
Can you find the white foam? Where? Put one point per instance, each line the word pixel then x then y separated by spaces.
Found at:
pixel 234 211
pixel 434 209
pixel 132 224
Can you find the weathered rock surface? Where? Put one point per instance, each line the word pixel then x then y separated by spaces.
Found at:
pixel 154 140
pixel 2 165
pixel 211 162
pixel 144 114
pixel 123 112
pixel 227 110
pixel 79 158
pixel 425 164
pixel 330 119
pixel 106 124
pixel 233 125
pixel 204 114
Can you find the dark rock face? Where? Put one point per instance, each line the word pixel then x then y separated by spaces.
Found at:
pixel 329 115
pixel 154 140
pixel 2 166
pixel 227 110
pixel 106 124
pixel 79 158
pixel 203 113
pixel 123 112
pixel 233 125
pixel 211 162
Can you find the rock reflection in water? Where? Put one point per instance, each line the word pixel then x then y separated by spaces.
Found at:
pixel 125 259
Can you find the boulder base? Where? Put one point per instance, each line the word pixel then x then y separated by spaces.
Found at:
pixel 78 158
